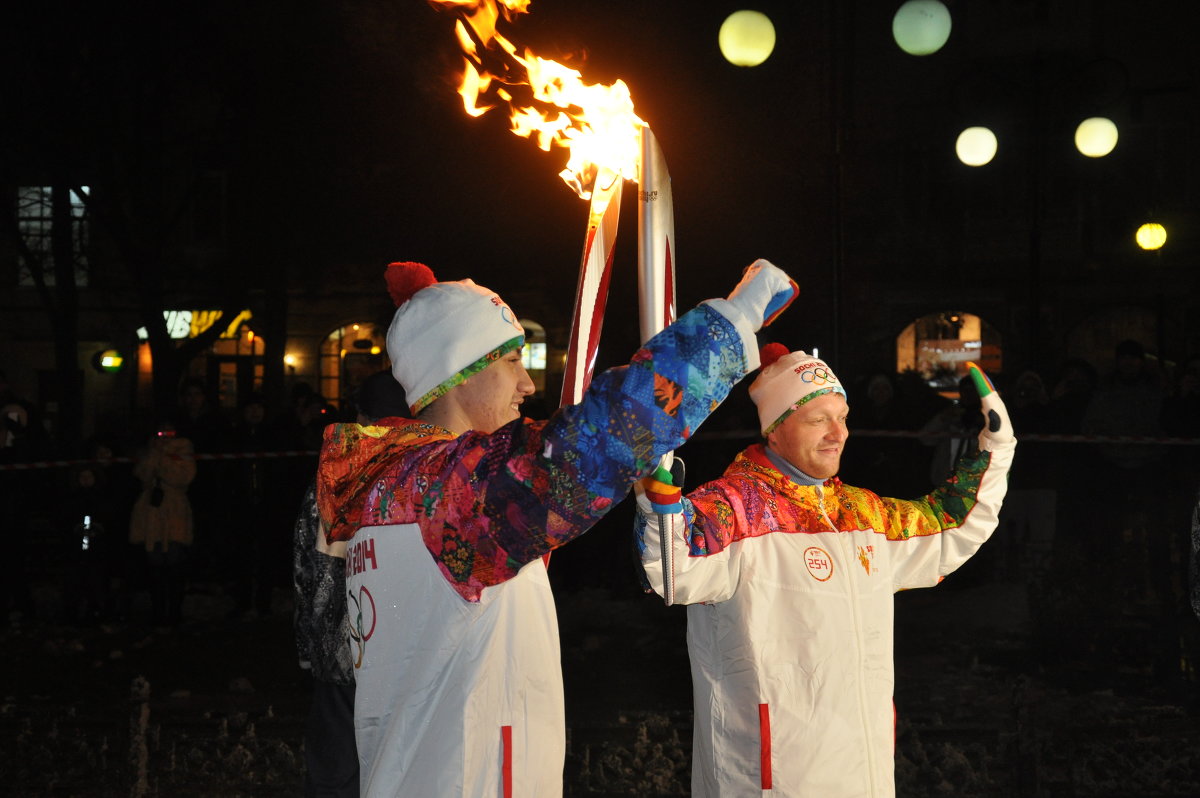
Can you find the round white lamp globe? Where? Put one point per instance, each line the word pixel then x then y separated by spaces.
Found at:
pixel 921 27
pixel 746 38
pixel 1096 137
pixel 1151 235
pixel 976 146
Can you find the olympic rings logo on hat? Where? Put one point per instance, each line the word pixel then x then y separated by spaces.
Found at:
pixel 506 313
pixel 818 376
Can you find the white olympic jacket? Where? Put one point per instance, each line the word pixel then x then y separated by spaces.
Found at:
pixel 790 628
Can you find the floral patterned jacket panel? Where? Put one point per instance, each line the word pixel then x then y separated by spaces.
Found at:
pixel 489 504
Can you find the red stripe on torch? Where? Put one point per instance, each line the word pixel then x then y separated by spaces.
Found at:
pixel 591 295
pixel 669 281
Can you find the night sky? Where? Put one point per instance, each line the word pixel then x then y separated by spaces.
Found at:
pixel 835 155
pixel 348 147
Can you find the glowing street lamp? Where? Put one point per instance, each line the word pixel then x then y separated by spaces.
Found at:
pixel 1096 137
pixel 976 146
pixel 1151 236
pixel 109 361
pixel 746 38
pixel 921 27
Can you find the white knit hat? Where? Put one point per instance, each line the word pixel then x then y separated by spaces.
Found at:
pixel 442 333
pixel 787 381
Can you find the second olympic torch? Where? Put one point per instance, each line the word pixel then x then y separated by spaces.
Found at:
pixel 656 287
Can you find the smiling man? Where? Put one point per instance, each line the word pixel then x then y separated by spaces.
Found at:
pixel 445 521
pixel 790 574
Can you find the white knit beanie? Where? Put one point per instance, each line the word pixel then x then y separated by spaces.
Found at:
pixel 787 381
pixel 442 333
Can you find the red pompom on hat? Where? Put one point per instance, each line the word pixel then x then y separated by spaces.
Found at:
pixel 442 333
pixel 407 278
pixel 771 352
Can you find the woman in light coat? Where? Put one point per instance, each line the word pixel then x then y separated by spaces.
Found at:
pixel 162 519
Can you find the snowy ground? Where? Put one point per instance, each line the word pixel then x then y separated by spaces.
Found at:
pixel 216 708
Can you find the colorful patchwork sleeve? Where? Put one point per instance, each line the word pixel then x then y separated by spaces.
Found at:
pixel 699 572
pixel 489 504
pixel 743 503
pixel 931 537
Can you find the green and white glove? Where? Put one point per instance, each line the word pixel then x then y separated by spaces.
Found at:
pixel 997 429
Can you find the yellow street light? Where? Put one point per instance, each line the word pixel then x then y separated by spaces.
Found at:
pixel 976 146
pixel 746 38
pixel 109 361
pixel 1096 137
pixel 1151 236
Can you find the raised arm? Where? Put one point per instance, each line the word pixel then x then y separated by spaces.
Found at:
pixel 938 533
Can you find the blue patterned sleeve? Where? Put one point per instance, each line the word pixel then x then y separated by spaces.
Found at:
pixel 632 415
pixel 557 480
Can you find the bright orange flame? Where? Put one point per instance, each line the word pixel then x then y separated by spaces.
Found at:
pixel 548 102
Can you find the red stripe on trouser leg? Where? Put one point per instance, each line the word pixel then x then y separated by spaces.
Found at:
pixel 506 767
pixel 764 738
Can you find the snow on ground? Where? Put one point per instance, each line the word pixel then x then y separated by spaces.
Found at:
pixel 217 706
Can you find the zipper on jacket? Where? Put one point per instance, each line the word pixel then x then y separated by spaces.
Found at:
pixel 852 591
pixel 821 503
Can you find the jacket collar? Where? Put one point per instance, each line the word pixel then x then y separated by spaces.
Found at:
pixel 757 456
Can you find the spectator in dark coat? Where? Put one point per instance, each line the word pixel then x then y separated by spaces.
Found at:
pixel 322 626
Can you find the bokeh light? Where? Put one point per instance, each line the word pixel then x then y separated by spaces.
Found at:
pixel 921 27
pixel 746 38
pixel 109 361
pixel 976 146
pixel 1096 137
pixel 1151 235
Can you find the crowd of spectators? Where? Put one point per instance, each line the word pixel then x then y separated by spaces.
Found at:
pixel 202 498
pixel 78 519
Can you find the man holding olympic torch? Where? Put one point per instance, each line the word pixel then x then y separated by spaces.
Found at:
pixel 444 522
pixel 790 574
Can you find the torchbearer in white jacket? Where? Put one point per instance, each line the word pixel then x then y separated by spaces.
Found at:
pixel 790 575
pixel 445 521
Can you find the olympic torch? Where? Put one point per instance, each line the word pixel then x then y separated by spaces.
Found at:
pixel 656 240
pixel 551 104
pixel 591 293
pixel 656 289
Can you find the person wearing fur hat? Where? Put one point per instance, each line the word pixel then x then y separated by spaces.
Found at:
pixel 789 574
pixel 445 522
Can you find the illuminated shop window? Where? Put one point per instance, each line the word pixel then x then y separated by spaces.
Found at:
pixel 939 345
pixel 349 355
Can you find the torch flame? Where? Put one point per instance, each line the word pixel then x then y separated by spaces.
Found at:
pixel 548 102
